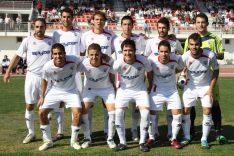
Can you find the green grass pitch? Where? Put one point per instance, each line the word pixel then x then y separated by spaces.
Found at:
pixel 13 129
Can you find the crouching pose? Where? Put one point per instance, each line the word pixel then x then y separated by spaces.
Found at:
pixel 99 81
pixel 60 71
pixel 132 68
pixel 163 89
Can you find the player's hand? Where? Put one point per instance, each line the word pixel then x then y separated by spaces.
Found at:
pixel 210 94
pixel 40 102
pixel 6 78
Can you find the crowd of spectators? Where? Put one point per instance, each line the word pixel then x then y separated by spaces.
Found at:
pixel 10 23
pixel 20 68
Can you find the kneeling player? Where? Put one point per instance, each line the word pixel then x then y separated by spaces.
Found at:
pixel 132 68
pixel 202 72
pixel 99 81
pixel 163 89
pixel 61 72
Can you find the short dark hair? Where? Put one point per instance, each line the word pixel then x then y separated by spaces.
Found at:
pixel 127 18
pixel 94 46
pixel 202 15
pixel 41 20
pixel 100 14
pixel 67 10
pixel 129 43
pixel 165 21
pixel 196 37
pixel 164 43
pixel 57 46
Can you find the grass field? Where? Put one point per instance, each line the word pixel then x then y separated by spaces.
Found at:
pixel 13 129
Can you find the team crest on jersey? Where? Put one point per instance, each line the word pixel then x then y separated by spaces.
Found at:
pixel 157 68
pixel 172 66
pixel 55 72
pixel 205 63
pixel 49 43
pixel 105 69
pixel 108 38
pixel 124 68
pixel 139 68
pixel 72 68
pixel 34 43
pixel 92 38
pixel 156 53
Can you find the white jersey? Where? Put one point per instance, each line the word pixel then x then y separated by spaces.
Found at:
pixel 139 41
pixel 105 40
pixel 62 78
pixel 151 48
pixel 132 75
pixel 164 75
pixel 97 77
pixel 71 40
pixel 37 53
pixel 199 70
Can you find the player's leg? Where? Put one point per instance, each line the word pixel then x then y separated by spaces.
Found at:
pixel 217 117
pixel 59 115
pixel 105 117
pixel 176 124
pixel 85 126
pixel 135 120
pixel 192 118
pixel 108 96
pixel 31 93
pixel 45 128
pixel 151 131
pixel 169 124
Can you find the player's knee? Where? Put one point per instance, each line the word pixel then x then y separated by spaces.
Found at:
pixel 43 114
pixel 206 111
pixel 186 111
pixel 30 107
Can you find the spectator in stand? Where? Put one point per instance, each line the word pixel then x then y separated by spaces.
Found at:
pixel 39 7
pixel 18 22
pixel 1 23
pixel 5 64
pixel 7 22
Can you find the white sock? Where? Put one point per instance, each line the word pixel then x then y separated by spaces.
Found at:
pixel 29 116
pixel 144 125
pixel 49 116
pixel 90 115
pixel 176 124
pixel 105 112
pixel 46 133
pixel 120 125
pixel 74 133
pixel 206 125
pixel 169 123
pixel 156 124
pixel 59 114
pixel 186 123
pixel 111 125
pixel 85 126
pixel 151 130
pixel 135 118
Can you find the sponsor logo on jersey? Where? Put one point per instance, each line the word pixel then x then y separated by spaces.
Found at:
pixel 129 77
pixel 164 76
pixel 40 53
pixel 104 47
pixel 69 43
pixel 63 79
pixel 96 80
pixel 198 71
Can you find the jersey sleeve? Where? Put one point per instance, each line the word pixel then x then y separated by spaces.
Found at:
pixel 219 45
pixel 22 50
pixel 111 62
pixel 179 48
pixel 45 74
pixel 186 46
pixel 180 62
pixel 148 50
pixel 214 62
pixel 116 66
pixel 147 63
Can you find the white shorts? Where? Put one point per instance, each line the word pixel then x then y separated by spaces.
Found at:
pixel 171 98
pixel 107 94
pixel 124 96
pixel 54 97
pixel 32 88
pixel 191 95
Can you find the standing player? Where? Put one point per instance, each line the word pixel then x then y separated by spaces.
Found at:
pixel 105 39
pixel 202 73
pixel 132 68
pixel 61 71
pixel 37 49
pixel 70 38
pixel 151 50
pixel 163 89
pixel 100 81
pixel 212 42
pixel 127 26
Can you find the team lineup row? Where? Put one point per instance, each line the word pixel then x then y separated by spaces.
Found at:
pixel 131 68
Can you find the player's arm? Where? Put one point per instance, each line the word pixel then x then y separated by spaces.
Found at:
pixel 112 80
pixel 43 91
pixel 150 80
pixel 13 63
pixel 214 79
pixel 186 46
pixel 220 52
